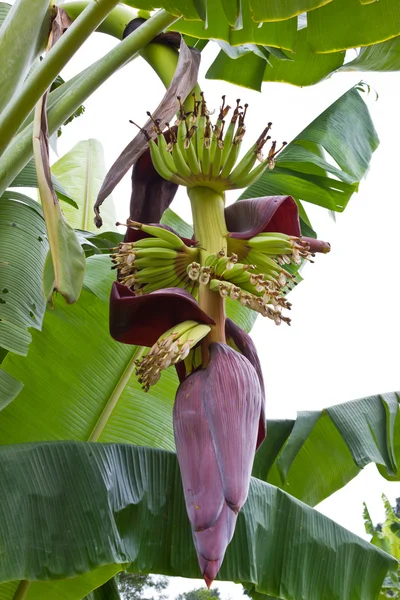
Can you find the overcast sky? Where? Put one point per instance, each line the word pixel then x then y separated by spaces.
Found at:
pixel 344 339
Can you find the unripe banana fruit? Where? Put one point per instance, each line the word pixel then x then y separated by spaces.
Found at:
pixel 199 155
pixel 155 262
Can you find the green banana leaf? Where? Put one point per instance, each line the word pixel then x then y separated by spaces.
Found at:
pixel 21 42
pixel 173 220
pixel 108 591
pixel 276 10
pixel 346 133
pixel 246 70
pixel 23 250
pixel 332 26
pixel 379 57
pixel 109 504
pixel 73 588
pixel 82 382
pixel 304 66
pixel 297 456
pixel 344 24
pixel 11 388
pixel 28 178
pixel 81 171
pixel 4 10
pixel 279 34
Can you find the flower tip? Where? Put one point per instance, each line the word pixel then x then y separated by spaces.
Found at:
pixel 209 569
pixel 317 245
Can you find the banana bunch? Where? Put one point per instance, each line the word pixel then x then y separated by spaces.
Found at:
pixel 262 291
pixel 286 249
pixel 259 279
pixel 281 248
pixel 174 345
pixel 155 262
pixel 201 154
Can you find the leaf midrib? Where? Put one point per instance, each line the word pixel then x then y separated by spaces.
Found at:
pixel 115 395
pixel 86 197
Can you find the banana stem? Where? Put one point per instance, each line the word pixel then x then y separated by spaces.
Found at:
pixel 35 86
pixel 72 94
pixel 114 24
pixel 162 58
pixel 210 231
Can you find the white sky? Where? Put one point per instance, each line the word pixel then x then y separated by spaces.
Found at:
pixel 344 339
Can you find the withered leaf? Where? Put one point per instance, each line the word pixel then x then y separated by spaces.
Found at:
pixel 183 82
pixel 64 269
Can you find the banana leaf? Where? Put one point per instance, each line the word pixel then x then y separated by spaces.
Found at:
pixel 301 67
pixel 107 591
pixel 306 67
pixel 276 10
pixel 82 382
pixel 81 171
pixel 343 24
pixel 28 178
pixel 109 504
pixel 22 303
pixel 379 57
pixel 21 42
pixel 319 49
pixel 346 133
pixel 4 10
pixel 173 220
pixel 297 456
pixel 23 250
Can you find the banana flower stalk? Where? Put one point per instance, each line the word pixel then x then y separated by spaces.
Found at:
pixel 250 251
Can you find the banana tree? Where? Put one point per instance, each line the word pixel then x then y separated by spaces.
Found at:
pixel 87 455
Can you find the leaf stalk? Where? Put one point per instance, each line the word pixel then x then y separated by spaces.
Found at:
pixel 22 590
pixel 35 86
pixel 65 100
pixel 116 394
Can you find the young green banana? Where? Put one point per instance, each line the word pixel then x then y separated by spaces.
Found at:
pixel 198 154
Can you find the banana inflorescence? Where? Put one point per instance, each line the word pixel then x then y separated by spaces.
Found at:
pixel 161 260
pixel 174 345
pixel 201 154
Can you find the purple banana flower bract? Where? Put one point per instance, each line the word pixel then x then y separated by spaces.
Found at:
pixel 151 194
pixel 247 347
pixel 216 421
pixel 247 218
pixel 141 320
